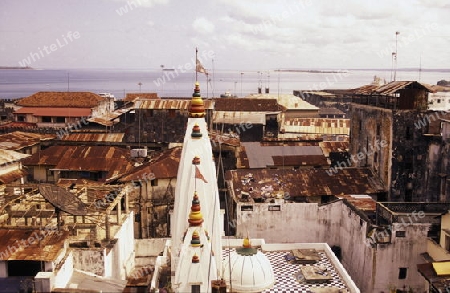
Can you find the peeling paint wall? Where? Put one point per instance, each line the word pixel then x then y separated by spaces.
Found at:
pixel 89 260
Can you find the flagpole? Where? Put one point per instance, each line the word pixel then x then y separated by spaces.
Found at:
pixel 196 60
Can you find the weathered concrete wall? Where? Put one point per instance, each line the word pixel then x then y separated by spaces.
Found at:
pixel 295 222
pixel 89 260
pixel 403 252
pixel 368 125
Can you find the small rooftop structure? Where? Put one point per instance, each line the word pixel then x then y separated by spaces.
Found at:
pixel 19 140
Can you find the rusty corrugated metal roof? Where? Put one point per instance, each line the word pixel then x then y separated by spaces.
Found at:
pixel 114 160
pixel 18 140
pixel 164 166
pixel 361 202
pixel 316 125
pixel 365 89
pixel 217 138
pixel 334 147
pixel 296 160
pixel 12 176
pixel 169 104
pixel 246 105
pixel 395 86
pixel 62 99
pixel 9 156
pixel 88 136
pixel 21 244
pixel 304 182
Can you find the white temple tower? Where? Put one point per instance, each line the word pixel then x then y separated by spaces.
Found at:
pixel 196 217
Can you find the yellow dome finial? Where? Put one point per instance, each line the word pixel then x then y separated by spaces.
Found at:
pixel 197 107
pixel 195 216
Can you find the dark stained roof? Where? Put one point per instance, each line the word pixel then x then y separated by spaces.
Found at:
pixel 361 202
pixel 169 104
pixel 164 166
pixel 114 160
pixel 304 182
pixel 130 97
pixel 18 140
pixel 390 88
pixel 62 99
pixel 28 246
pixel 246 104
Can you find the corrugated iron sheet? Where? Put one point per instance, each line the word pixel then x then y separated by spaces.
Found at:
pixel 316 125
pixel 229 117
pixel 164 166
pixel 334 147
pixel 104 137
pixel 114 160
pixel 12 176
pixel 30 244
pixel 8 156
pixel 18 140
pixel 249 104
pixel 130 97
pixel 304 182
pixel 394 86
pixel 169 104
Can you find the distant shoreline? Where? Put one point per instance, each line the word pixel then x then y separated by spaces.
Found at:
pixel 15 67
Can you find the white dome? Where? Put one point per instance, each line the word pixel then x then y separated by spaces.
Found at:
pixel 249 273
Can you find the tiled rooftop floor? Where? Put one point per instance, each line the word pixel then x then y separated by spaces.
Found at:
pixel 285 279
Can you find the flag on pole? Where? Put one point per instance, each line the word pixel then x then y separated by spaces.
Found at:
pixel 199 175
pixel 199 67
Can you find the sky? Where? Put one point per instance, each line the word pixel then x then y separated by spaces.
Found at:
pixel 229 34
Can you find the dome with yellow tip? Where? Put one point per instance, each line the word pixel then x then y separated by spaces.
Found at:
pixel 195 216
pixel 197 107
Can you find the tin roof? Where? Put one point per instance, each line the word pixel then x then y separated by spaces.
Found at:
pixel 303 182
pixel 9 156
pixel 12 176
pixel 237 117
pixel 89 136
pixel 18 140
pixel 113 160
pixel 169 104
pixel 317 125
pixel 334 147
pixel 395 86
pixel 248 104
pixel 162 166
pixel 55 111
pixel 62 99
pixel 35 245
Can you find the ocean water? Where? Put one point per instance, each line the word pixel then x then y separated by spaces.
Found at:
pixel 16 83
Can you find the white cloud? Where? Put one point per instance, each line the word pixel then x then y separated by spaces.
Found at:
pixel 203 26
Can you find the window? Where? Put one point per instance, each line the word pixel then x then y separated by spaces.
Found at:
pixel 46 119
pixel 274 208
pixel 21 118
pixel 375 157
pixel 60 120
pixel 402 273
pixel 438 101
pixel 246 208
pixel 400 234
pixel 378 129
pixel 154 182
pixel 408 134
